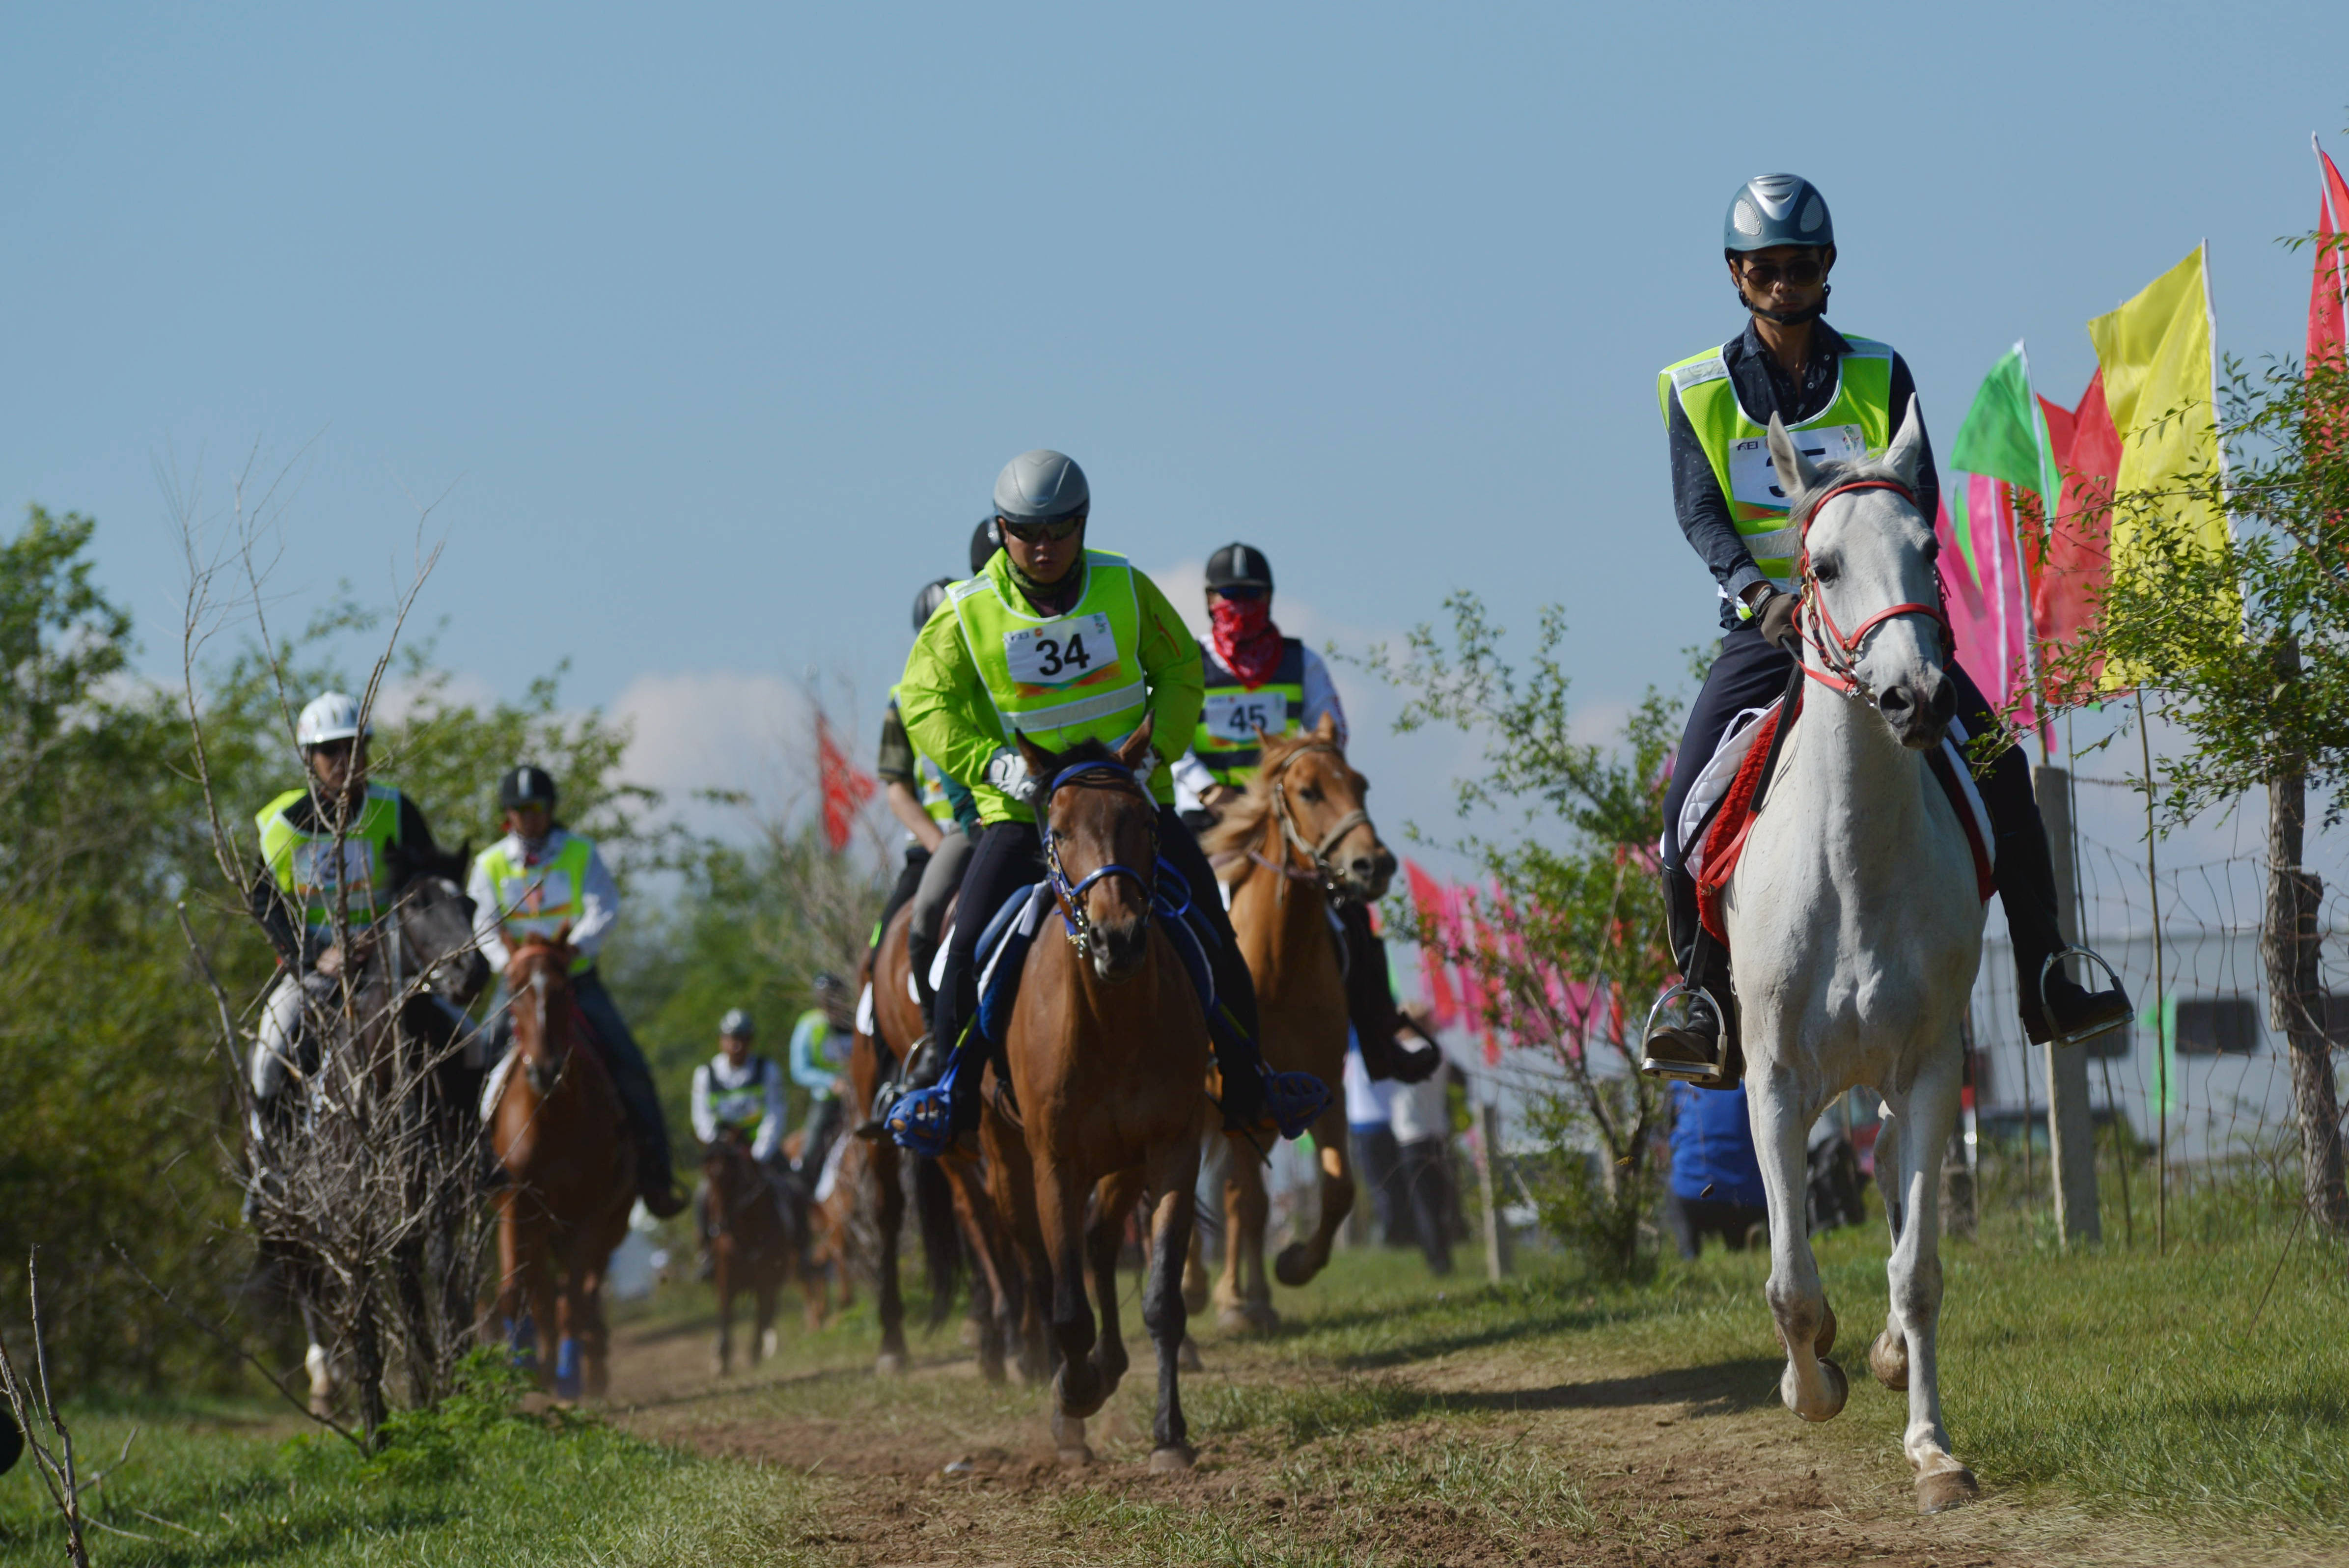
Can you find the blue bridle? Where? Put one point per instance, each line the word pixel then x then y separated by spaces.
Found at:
pixel 1070 896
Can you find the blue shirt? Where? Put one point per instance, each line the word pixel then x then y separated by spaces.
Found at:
pixel 1712 1145
pixel 816 1059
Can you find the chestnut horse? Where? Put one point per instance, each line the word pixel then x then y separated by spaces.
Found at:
pixel 949 1194
pixel 1105 1059
pixel 751 1247
pixel 558 1131
pixel 1299 839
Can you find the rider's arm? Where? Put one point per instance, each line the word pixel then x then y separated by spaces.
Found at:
pixel 809 1069
pixel 1170 662
pixel 705 1114
pixel 945 705
pixel 770 1126
pixel 487 933
pixel 1703 510
pixel 895 768
pixel 599 898
pixel 1321 695
pixel 906 807
pixel 276 913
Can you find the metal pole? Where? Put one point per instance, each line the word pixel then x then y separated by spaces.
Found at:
pixel 1488 1133
pixel 2160 1004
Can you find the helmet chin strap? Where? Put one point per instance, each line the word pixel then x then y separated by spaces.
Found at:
pixel 1786 318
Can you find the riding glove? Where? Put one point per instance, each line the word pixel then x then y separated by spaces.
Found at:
pixel 1007 771
pixel 1777 619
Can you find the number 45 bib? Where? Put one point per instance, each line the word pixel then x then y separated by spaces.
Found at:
pixel 1061 652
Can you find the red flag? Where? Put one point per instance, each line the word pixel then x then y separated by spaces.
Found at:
pixel 2327 288
pixel 844 786
pixel 1427 898
pixel 2069 565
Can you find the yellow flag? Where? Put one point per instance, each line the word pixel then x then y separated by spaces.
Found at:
pixel 2156 354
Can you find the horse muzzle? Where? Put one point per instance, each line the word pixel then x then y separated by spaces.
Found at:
pixel 1119 952
pixel 1920 710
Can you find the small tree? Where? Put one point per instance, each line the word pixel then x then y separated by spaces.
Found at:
pixel 2244 644
pixel 1569 946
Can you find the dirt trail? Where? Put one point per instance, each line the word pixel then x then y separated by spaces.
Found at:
pixel 1598 1461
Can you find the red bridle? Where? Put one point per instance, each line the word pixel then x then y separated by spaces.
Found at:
pixel 1841 652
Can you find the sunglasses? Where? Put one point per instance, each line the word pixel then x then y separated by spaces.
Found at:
pixel 1034 533
pixel 1800 274
pixel 1241 593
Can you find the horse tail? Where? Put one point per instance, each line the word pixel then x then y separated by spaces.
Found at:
pixel 941 1236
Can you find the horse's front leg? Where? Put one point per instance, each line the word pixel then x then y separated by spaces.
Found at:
pixel 1243 1298
pixel 1778 1107
pixel 1174 1177
pixel 888 1293
pixel 1113 1203
pixel 1300 1261
pixel 1914 1272
pixel 1077 1391
pixel 721 1272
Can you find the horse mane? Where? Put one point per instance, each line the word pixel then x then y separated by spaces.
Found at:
pixel 1243 822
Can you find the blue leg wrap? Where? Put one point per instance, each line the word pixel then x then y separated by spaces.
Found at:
pixel 566 1369
pixel 522 1339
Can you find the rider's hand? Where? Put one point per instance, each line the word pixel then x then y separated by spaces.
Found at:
pixel 1777 619
pixel 330 963
pixel 1007 771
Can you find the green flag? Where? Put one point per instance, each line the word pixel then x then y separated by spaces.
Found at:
pixel 2004 437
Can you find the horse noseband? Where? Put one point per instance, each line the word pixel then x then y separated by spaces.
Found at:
pixel 1317 855
pixel 1070 896
pixel 1839 651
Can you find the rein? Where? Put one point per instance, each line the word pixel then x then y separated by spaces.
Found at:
pixel 1838 650
pixel 1070 895
pixel 1317 855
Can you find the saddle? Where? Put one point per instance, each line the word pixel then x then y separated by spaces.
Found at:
pixel 1723 805
pixel 1004 942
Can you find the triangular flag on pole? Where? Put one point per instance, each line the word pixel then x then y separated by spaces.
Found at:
pixel 2329 285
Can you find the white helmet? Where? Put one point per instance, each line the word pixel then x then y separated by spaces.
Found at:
pixel 331 716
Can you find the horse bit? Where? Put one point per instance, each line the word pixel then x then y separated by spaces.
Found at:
pixel 1317 854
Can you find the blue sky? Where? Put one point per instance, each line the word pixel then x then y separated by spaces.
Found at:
pixel 715 324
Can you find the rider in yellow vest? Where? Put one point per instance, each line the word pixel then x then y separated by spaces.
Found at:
pixel 306 896
pixel 940 817
pixel 1259 681
pixel 1839 397
pixel 1067 644
pixel 542 879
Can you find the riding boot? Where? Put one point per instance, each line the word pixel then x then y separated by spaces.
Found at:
pixel 1370 1005
pixel 1686 1042
pixel 2026 889
pixel 921 953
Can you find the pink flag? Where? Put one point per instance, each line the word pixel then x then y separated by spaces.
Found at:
pixel 2327 288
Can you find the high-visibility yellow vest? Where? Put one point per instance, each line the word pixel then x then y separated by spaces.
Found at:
pixel 1858 420
pixel 1059 679
pixel 929 782
pixel 1225 741
pixel 304 864
pixel 741 1108
pixel 541 900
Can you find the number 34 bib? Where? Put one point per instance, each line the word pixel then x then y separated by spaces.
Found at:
pixel 1061 652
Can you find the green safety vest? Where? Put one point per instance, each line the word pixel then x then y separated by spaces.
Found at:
pixel 1225 741
pixel 541 900
pixel 741 1108
pixel 1858 420
pixel 1059 679
pixel 302 861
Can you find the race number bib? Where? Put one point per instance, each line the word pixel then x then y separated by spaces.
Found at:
pixel 535 894
pixel 1234 717
pixel 313 866
pixel 1754 482
pixel 1060 652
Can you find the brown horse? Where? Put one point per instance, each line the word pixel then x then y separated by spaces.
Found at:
pixel 751 1247
pixel 950 1195
pixel 558 1131
pixel 1299 839
pixel 1105 1061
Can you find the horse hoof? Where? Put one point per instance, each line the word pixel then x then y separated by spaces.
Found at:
pixel 1076 1457
pixel 1068 1439
pixel 1888 1359
pixel 1825 1340
pixel 1195 1297
pixel 1169 1462
pixel 1248 1317
pixel 1838 1390
pixel 718 1367
pixel 971 1334
pixel 991 1369
pixel 769 1343
pixel 1945 1489
pixel 1186 1356
pixel 888 1364
pixel 1294 1267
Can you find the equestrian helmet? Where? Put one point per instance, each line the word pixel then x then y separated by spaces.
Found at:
pixel 737 1023
pixel 331 716
pixel 1042 486
pixel 985 540
pixel 926 602
pixel 1777 210
pixel 528 785
pixel 828 987
pixel 1238 565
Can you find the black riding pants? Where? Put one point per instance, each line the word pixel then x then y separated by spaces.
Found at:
pixel 1751 673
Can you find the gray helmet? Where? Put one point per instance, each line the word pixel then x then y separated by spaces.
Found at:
pixel 737 1022
pixel 1042 486
pixel 1777 210
pixel 926 602
pixel 985 540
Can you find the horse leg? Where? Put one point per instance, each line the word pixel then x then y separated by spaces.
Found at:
pixel 1812 1386
pixel 558 1325
pixel 1174 1178
pixel 317 1360
pixel 1889 1356
pixel 1243 1298
pixel 721 1276
pixel 595 1333
pixel 1061 1222
pixel 1914 1272
pixel 1113 1204
pixel 1300 1261
pixel 1028 1282
pixel 991 1304
pixel 891 1220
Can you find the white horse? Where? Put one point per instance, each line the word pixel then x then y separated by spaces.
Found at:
pixel 1855 925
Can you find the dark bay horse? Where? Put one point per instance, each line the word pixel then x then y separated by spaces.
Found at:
pixel 1296 840
pixel 752 1246
pixel 559 1131
pixel 1105 1063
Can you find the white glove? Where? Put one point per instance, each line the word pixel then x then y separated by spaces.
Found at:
pixel 1007 771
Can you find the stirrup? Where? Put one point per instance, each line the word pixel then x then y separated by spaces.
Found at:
pixel 1294 1100
pixel 923 1121
pixel 2048 1013
pixel 1687 1072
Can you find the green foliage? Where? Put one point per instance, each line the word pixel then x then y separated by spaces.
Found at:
pixel 1578 939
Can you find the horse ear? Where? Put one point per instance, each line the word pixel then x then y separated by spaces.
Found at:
pixel 1041 764
pixel 1796 476
pixel 1327 729
pixel 1137 745
pixel 562 935
pixel 1908 449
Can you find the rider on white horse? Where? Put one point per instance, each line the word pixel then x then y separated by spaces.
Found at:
pixel 542 879
pixel 1259 681
pixel 1838 396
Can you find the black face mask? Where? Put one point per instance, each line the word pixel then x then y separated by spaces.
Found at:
pixel 1786 318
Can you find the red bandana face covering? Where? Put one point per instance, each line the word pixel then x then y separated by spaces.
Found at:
pixel 1245 639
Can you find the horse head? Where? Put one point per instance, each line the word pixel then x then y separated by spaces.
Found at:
pixel 436 927
pixel 538 980
pixel 1872 599
pixel 1101 836
pixel 1318 797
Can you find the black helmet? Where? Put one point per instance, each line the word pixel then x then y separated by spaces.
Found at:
pixel 926 602
pixel 738 1022
pixel 984 542
pixel 1777 210
pixel 1237 565
pixel 528 785
pixel 1042 486
pixel 827 985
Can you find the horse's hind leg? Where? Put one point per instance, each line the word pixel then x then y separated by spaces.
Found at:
pixel 1300 1261
pixel 890 1219
pixel 722 1360
pixel 1812 1386
pixel 1243 1298
pixel 1163 1312
pixel 1915 1269
pixel 1113 1204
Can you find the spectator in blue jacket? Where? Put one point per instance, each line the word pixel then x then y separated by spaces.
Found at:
pixel 1716 1185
